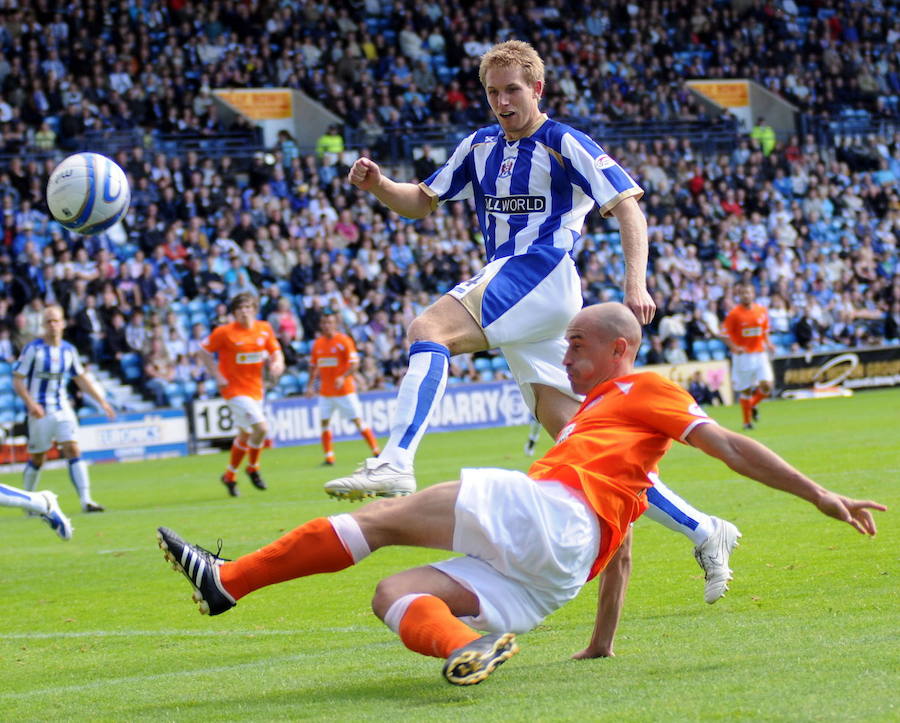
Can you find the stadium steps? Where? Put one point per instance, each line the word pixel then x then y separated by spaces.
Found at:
pixel 123 396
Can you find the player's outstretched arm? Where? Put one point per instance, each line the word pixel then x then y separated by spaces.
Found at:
pixel 633 232
pixel 752 459
pixel 407 199
pixel 610 598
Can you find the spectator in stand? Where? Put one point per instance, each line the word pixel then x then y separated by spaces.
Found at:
pixel 159 371
pixel 702 392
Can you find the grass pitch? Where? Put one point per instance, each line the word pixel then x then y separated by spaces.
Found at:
pixel 101 629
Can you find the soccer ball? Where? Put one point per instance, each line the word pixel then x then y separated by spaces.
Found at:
pixel 88 193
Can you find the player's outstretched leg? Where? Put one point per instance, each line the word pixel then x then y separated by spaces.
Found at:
pixel 201 568
pixel 713 539
pixel 43 504
pixel 475 661
pixel 391 473
pixel 713 556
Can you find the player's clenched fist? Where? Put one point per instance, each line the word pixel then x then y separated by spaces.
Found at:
pixel 364 174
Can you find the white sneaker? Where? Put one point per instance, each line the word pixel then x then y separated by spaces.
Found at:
pixel 54 516
pixel 373 478
pixel 713 554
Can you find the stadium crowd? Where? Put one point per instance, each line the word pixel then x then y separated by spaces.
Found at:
pixel 812 225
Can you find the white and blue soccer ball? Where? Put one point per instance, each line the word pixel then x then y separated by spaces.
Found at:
pixel 88 193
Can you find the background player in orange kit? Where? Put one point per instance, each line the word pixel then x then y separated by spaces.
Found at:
pixel 333 363
pixel 244 347
pixel 747 334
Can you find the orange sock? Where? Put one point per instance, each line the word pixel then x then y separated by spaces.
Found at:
pixel 327 444
pixel 238 451
pixel 429 628
pixel 757 398
pixel 746 408
pixel 306 550
pixel 370 438
pixel 253 457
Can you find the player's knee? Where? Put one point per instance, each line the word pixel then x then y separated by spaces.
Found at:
pixel 422 329
pixel 386 593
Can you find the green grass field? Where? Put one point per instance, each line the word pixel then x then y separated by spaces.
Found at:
pixel 100 628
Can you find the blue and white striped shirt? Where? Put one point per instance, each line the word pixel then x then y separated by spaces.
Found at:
pixel 47 371
pixel 534 192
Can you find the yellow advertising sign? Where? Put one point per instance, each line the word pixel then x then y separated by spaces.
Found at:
pixel 727 93
pixel 259 104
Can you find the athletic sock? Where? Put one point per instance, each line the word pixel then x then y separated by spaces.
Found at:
pixel 253 454
pixel 426 625
pixel 31 501
pixel 420 391
pixel 320 545
pixel 757 398
pixel 328 444
pixel 238 451
pixel 369 436
pixel 31 476
pixel 79 475
pixel 746 410
pixel 534 431
pixel 670 510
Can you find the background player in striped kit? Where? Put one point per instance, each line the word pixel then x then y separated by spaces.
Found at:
pixel 332 364
pixel 40 376
pixel 244 347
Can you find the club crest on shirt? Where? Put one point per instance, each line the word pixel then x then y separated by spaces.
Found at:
pixel 604 161
pixel 506 168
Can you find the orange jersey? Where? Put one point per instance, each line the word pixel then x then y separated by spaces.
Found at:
pixel 748 328
pixel 616 438
pixel 332 357
pixel 242 353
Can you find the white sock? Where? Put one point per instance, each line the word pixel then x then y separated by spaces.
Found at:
pixel 31 476
pixel 79 475
pixel 351 536
pixel 534 431
pixel 420 391
pixel 31 501
pixel 670 510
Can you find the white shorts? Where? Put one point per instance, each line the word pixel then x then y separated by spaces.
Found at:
pixel 348 405
pixel 524 303
pixel 246 411
pixel 58 426
pixel 748 370
pixel 529 547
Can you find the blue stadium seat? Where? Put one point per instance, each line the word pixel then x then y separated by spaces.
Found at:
pixel 7 415
pixel 483 364
pixel 498 364
pixel 302 380
pixel 5 368
pixel 486 375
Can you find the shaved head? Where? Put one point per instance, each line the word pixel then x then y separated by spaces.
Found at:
pixel 610 321
pixel 603 341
